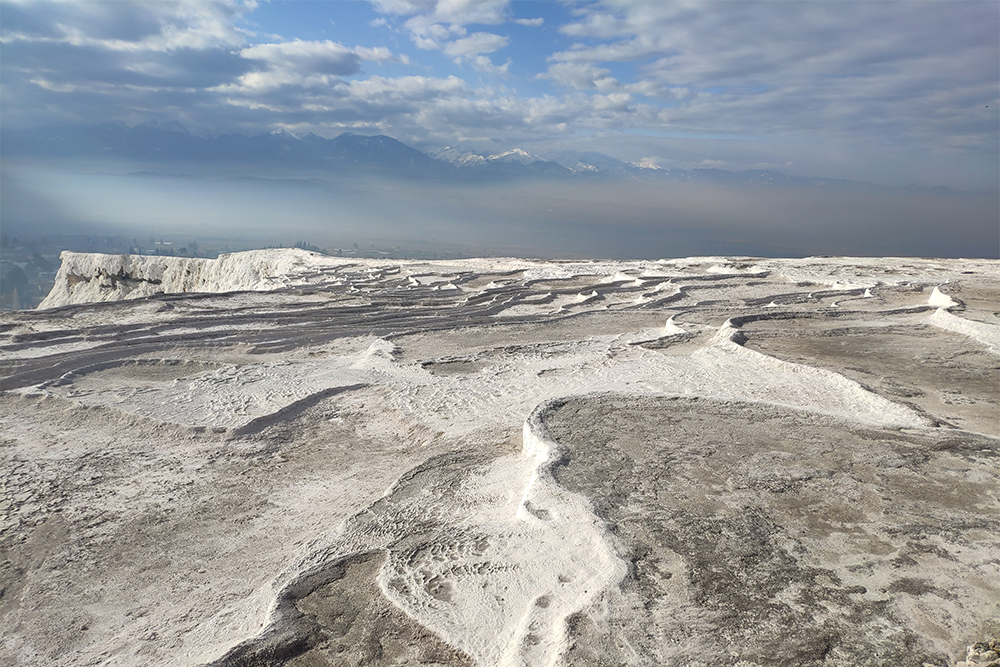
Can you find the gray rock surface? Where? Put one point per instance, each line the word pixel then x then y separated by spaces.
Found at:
pixel 707 461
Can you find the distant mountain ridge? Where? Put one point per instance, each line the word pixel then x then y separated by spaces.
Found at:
pixel 513 161
pixel 173 142
pixel 362 154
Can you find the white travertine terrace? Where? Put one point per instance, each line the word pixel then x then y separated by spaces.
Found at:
pixel 204 455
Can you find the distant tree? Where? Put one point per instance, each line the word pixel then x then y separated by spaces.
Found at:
pixel 41 263
pixel 15 279
pixel 4 241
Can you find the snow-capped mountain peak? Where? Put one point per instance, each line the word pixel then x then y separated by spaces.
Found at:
pixel 282 133
pixel 457 157
pixel 514 155
pixel 461 158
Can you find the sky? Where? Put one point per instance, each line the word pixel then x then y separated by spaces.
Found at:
pixel 894 93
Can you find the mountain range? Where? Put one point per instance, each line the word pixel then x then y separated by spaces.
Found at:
pixel 350 153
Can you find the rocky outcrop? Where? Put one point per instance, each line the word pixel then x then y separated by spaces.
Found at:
pixel 92 277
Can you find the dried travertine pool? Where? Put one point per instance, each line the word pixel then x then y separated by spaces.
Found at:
pixel 292 459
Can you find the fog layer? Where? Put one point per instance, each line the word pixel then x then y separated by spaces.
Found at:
pixel 538 218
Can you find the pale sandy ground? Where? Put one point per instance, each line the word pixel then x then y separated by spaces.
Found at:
pixel 709 461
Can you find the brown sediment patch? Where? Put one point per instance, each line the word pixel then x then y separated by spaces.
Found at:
pixel 496 336
pixel 484 279
pixel 338 616
pixel 944 374
pixel 454 366
pixel 778 537
pixel 153 370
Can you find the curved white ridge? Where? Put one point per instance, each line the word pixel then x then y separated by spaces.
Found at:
pixel 765 378
pixel 549 557
pixel 517 552
pixel 987 334
pixel 671 328
pixel 620 277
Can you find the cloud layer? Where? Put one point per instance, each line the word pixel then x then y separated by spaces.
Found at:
pixel 892 92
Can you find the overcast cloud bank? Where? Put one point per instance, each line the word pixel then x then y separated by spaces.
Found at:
pixel 894 93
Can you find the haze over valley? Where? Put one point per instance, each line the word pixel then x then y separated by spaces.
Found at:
pixel 278 189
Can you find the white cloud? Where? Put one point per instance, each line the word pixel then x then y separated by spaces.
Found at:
pixel 440 25
pixel 167 25
pixel 885 85
pixel 462 12
pixel 472 49
pixel 581 76
pixel 383 90
pixel 475 44
pixel 601 21
pixel 383 104
pixel 311 54
pixel 485 65
pixel 865 72
pixel 612 102
pixel 54 87
pixel 304 63
pixel 433 22
pixel 624 51
pixel 531 23
pixel 429 34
